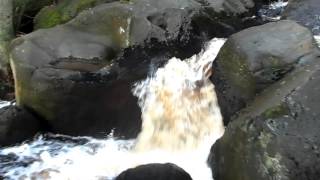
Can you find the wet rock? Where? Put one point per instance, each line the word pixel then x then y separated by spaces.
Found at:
pixel 255 58
pixel 277 136
pixel 16 125
pixel 78 76
pixel 166 171
pixel 305 12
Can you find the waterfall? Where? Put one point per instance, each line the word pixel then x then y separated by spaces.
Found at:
pixel 181 121
pixel 179 105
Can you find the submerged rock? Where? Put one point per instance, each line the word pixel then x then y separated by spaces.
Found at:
pixel 155 171
pixel 255 58
pixel 305 12
pixel 16 125
pixel 78 76
pixel 277 136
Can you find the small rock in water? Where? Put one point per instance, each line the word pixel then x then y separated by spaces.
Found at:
pixel 155 171
pixel 16 124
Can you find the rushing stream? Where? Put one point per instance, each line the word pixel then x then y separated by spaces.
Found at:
pixel 181 120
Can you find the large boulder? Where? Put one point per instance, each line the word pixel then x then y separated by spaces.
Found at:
pixel 16 125
pixel 155 171
pixel 277 136
pixel 305 12
pixel 254 58
pixel 64 11
pixel 78 76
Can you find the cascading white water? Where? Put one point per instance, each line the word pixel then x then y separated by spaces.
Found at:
pixel 317 38
pixel 181 120
pixel 179 105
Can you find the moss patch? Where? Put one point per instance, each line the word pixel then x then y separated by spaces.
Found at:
pixel 276 111
pixel 49 18
pixel 63 12
pixel 236 70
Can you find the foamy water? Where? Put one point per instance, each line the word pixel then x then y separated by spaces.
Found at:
pixel 317 38
pixel 273 11
pixel 5 103
pixel 181 121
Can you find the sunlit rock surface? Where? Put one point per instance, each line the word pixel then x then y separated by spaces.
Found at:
pixel 255 58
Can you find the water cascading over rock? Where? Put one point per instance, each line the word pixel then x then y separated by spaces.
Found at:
pixel 181 120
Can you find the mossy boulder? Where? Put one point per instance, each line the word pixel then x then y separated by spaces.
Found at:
pixel 276 136
pixel 63 12
pixel 255 58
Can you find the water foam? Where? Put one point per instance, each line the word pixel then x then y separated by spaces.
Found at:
pixel 273 11
pixel 317 39
pixel 181 120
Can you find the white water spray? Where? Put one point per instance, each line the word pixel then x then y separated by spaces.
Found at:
pixel 181 120
pixel 317 39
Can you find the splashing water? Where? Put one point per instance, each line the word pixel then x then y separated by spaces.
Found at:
pixel 273 11
pixel 317 39
pixel 181 120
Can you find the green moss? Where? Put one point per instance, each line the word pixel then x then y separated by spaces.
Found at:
pixel 48 17
pixel 276 111
pixel 236 70
pixel 125 1
pixel 62 12
pixel 28 8
pixel 83 4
